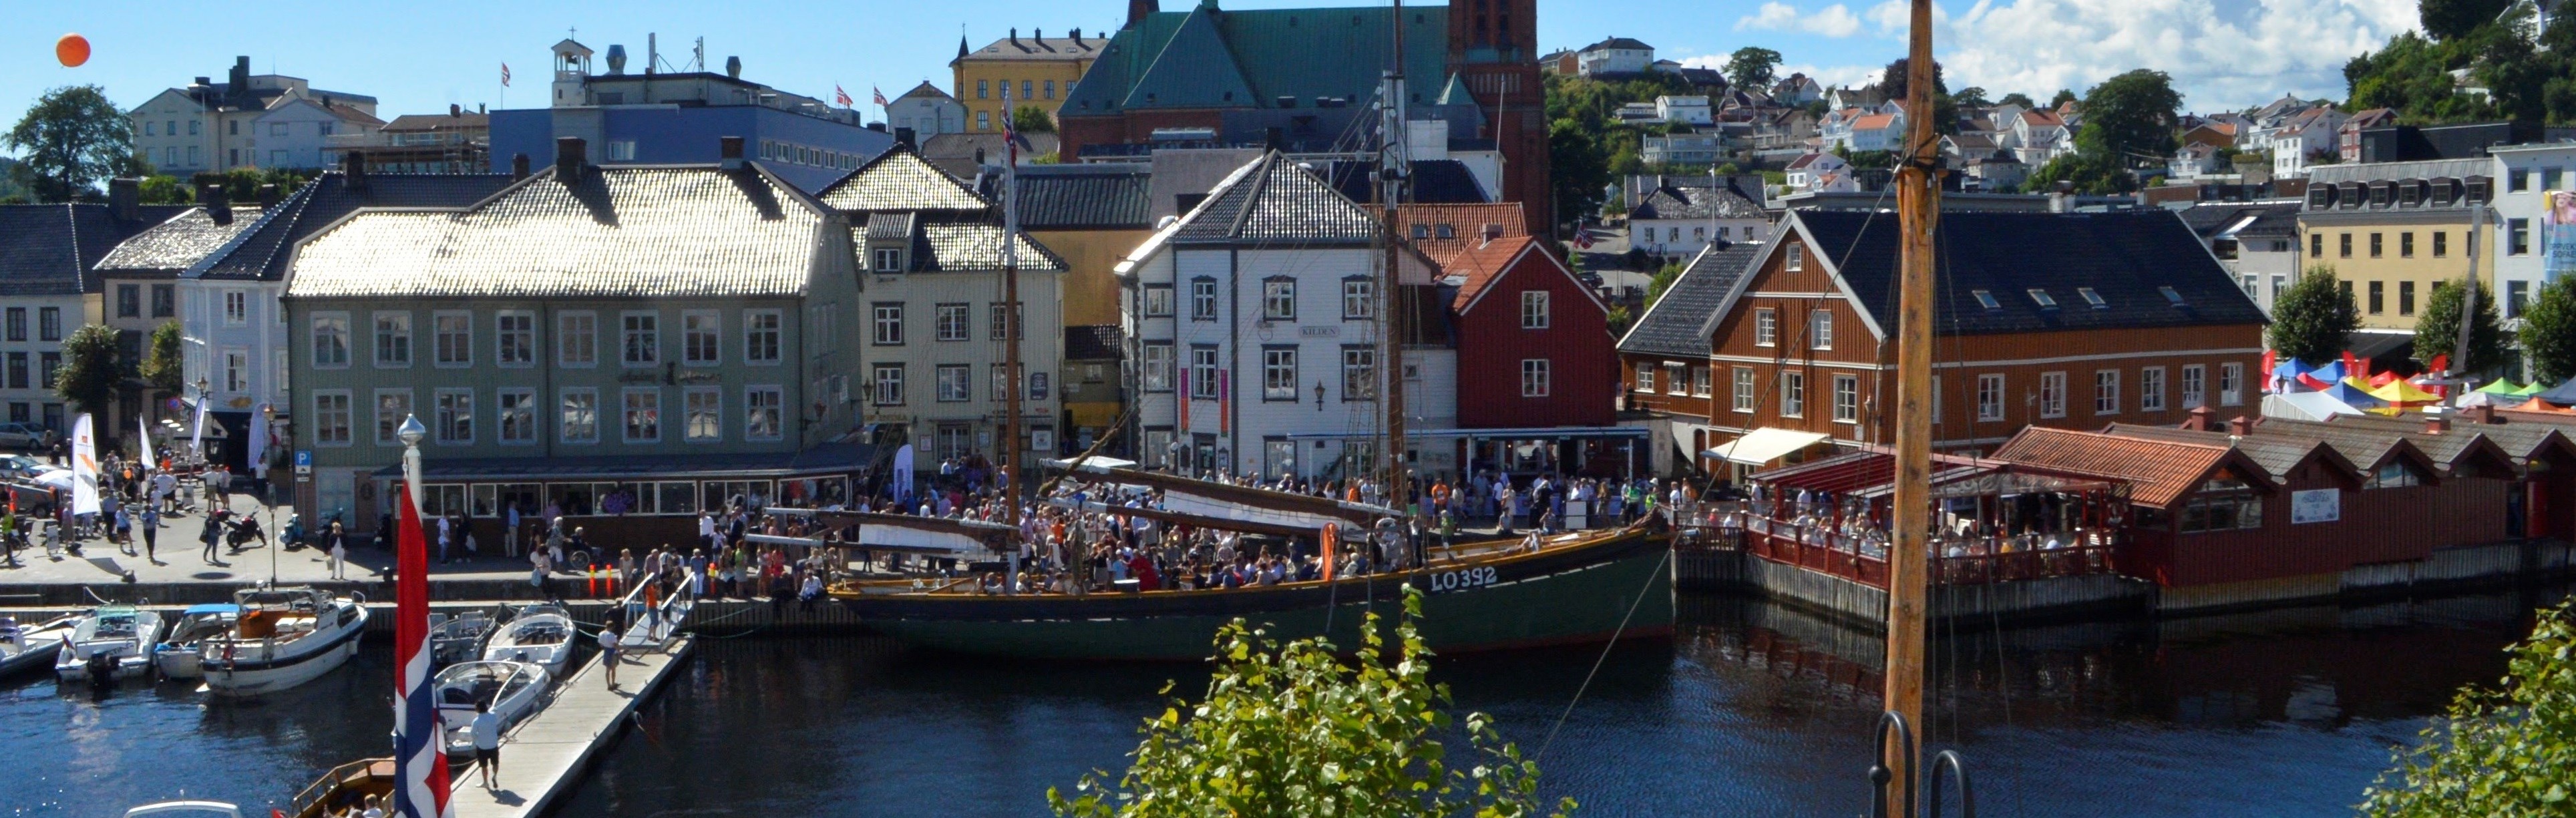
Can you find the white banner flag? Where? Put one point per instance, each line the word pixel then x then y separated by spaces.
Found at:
pixel 84 468
pixel 197 439
pixel 145 441
pixel 259 443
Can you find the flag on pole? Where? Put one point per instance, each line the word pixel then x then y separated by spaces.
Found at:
pixel 1010 129
pixel 84 467
pixel 880 93
pixel 840 97
pixel 146 427
pixel 197 439
pixel 1330 540
pixel 505 75
pixel 1583 239
pixel 420 756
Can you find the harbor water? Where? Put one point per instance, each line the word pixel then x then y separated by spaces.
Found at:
pixel 1750 709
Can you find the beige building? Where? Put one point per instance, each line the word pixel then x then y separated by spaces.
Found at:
pixel 2391 230
pixel 1032 70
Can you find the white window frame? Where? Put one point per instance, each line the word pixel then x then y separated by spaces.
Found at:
pixel 886 384
pixel 1157 365
pixel 236 308
pixel 523 338
pixel 1700 377
pixel 1203 299
pixel 572 430
pixel 764 331
pixel 440 337
pixel 697 326
pixel 321 327
pixel 1766 326
pixel 2231 384
pixel 1645 379
pixel 702 414
pixel 387 425
pixel 1203 372
pixel 577 339
pixel 1534 309
pixel 1820 330
pixel 1279 299
pixel 2052 394
pixel 1279 374
pixel 952 321
pixel 1990 398
pixel 2195 386
pixel 454 416
pixel 1676 378
pixel 1793 392
pixel 380 336
pixel 1744 390
pixel 959 376
pixel 1847 399
pixel 1359 299
pixel 628 334
pixel 324 416
pixel 885 324
pixel 1534 378
pixel 1797 258
pixel 236 369
pixel 523 416
pixel 2106 391
pixel 627 409
pixel 764 402
pixel 2151 389
pixel 1158 301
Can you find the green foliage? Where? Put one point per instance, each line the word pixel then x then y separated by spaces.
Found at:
pixel 162 188
pixel 2437 329
pixel 1662 281
pixel 1897 83
pixel 2497 752
pixel 1291 730
pixel 1751 67
pixel 241 185
pixel 2527 78
pixel 162 357
pixel 2549 331
pixel 2448 19
pixel 1032 119
pixel 70 140
pixel 2017 98
pixel 90 369
pixel 1619 319
pixel 2092 173
pixel 1578 170
pixel 1868 160
pixel 2131 117
pixel 2310 320
pixel 1971 97
pixel 2063 96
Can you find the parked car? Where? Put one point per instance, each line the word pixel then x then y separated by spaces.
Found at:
pixel 25 435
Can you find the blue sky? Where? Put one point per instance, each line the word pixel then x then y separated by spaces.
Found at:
pixel 419 57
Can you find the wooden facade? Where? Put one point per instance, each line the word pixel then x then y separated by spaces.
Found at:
pixel 1534 345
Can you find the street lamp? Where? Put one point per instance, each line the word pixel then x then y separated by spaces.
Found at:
pixel 1319 396
pixel 411 433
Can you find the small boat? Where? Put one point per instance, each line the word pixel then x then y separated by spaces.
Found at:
pixel 457 639
pixel 176 655
pixel 513 691
pixel 540 635
pixel 185 809
pixel 110 644
pixel 345 790
pixel 34 645
pixel 283 638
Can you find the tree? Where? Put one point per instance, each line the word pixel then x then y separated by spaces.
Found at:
pixel 1663 280
pixel 1292 730
pixel 1972 97
pixel 2451 19
pixel 1577 170
pixel 2549 331
pixel 2063 96
pixel 162 359
pixel 2496 752
pixel 1896 83
pixel 1751 67
pixel 2093 174
pixel 2017 98
pixel 2437 329
pixel 90 370
pixel 162 188
pixel 2131 117
pixel 2311 319
pixel 70 139
pixel 1032 119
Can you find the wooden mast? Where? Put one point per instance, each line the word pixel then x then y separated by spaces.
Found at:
pixel 1011 458
pixel 1918 207
pixel 1392 169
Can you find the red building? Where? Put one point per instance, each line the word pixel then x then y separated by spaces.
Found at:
pixel 1534 345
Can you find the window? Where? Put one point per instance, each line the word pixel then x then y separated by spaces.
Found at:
pixel 1534 382
pixel 2378 296
pixel 330 340
pixel 2172 297
pixel 331 418
pixel 455 411
pixel 1986 299
pixel 1014 327
pixel 1645 380
pixel 760 330
pixel 1699 381
pixel 1990 398
pixel 18 370
pixel 1279 373
pixel 1820 330
pixel 236 370
pixel 1050 89
pixel 129 300
pixel 2195 386
pixel 2405 298
pixel 762 407
pixel 393 339
pixel 889 384
pixel 452 339
pixel 705 418
pixel 518 415
pixel 2394 474
pixel 2094 299
pixel 49 366
pixel 1359 373
pixel 2375 245
pixel 2552 178
pixel 514 339
pixel 2231 384
pixel 643 415
pixel 1158 301
pixel 701 334
pixel 888 260
pixel 1744 389
pixel 2316 245
pixel 2441 243
pixel 1359 299
pixel 1534 309
pixel 1001 381
pixel 277 129
pixel 1202 375
pixel 2343 245
pixel 1846 399
pixel 577 339
pixel 2516 295
pixel 2052 394
pixel 2516 181
pixel 2406 244
pixel 1766 326
pixel 642 336
pixel 2517 237
pixel 236 308
pixel 2042 298
pixel 2222 505
pixel 1677 378
pixel 165 301
pixel 2151 389
pixel 954 383
pixel 392 406
pixel 1797 258
pixel 1157 366
pixel 1793 392
pixel 1279 299
pixel 2106 392
pixel 1203 299
pixel 580 420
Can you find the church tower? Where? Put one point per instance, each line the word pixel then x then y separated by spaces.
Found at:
pixel 1493 49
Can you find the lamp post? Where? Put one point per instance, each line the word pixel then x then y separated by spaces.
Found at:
pixel 1319 396
pixel 411 433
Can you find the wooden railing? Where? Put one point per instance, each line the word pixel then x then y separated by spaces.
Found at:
pixel 1861 555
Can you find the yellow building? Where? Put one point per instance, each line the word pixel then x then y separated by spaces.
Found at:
pixel 2391 230
pixel 1092 216
pixel 1036 69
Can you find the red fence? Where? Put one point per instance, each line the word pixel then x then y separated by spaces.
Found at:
pixel 1861 556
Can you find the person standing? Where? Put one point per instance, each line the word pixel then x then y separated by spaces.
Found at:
pixel 213 533
pixel 510 529
pixel 337 542
pixel 487 742
pixel 446 535
pixel 608 652
pixel 151 533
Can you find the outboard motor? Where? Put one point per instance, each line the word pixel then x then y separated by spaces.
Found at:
pixel 102 668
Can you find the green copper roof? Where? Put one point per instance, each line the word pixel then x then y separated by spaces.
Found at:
pixel 1195 70
pixel 1455 93
pixel 1192 59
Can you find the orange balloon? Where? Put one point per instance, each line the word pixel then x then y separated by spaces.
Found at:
pixel 72 50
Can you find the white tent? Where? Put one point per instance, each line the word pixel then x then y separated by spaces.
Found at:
pixel 2309 406
pixel 1764 445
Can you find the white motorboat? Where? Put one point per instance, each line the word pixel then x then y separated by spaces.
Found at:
pixel 284 637
pixel 542 635
pixel 513 690
pixel 185 809
pixel 32 646
pixel 176 655
pixel 457 639
pixel 111 643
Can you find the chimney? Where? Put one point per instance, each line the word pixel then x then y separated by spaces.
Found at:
pixel 729 152
pixel 455 110
pixel 353 165
pixel 267 196
pixel 1274 138
pixel 2197 419
pixel 518 166
pixel 1138 9
pixel 1015 35
pixel 2482 414
pixel 1493 231
pixel 1076 34
pixel 570 154
pixel 733 67
pixel 125 199
pixel 478 108
pixel 903 139
pixel 2240 425
pixel 2435 422
pixel 217 201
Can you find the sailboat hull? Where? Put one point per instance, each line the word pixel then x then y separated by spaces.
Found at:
pixel 1589 593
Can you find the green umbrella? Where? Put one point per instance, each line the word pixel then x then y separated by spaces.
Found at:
pixel 2535 388
pixel 2502 386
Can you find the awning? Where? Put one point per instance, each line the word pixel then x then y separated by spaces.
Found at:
pixel 1684 436
pixel 1764 445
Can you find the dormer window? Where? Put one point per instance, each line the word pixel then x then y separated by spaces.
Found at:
pixel 1448 231
pixel 888 259
pixel 2171 297
pixel 2093 298
pixel 2041 296
pixel 1986 299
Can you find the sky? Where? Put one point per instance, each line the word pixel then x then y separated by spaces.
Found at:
pixel 421 57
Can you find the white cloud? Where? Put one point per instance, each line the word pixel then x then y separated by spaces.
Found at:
pixel 2222 54
pixel 1836 20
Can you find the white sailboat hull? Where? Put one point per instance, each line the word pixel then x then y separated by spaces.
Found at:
pixel 253 668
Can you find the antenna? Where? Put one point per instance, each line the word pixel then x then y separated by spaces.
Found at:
pixel 698 56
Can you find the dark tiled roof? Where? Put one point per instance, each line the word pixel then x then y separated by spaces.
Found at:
pixel 901 180
pixel 1096 342
pixel 50 249
pixel 666 232
pixel 956 246
pixel 1086 197
pixel 2518 439
pixel 1435 181
pixel 1194 58
pixel 2122 256
pixel 1622 43
pixel 1274 200
pixel 963 155
pixel 1678 323
pixel 2208 220
pixel 179 243
pixel 260 253
pixel 887 227
pixel 1697 202
pixel 2277 455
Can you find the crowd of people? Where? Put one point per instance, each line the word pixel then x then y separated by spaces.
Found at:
pixel 136 501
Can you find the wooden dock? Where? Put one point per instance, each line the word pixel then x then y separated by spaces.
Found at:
pixel 544 758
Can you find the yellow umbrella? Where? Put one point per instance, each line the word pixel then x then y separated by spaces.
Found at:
pixel 2399 394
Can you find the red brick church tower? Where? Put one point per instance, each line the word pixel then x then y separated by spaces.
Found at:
pixel 1493 48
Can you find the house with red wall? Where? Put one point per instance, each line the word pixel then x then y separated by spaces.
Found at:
pixel 1534 345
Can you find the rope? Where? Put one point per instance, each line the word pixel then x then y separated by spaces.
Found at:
pixel 1604 657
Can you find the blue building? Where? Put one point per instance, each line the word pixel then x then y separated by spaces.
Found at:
pixel 660 118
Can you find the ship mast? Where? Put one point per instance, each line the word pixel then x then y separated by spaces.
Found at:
pixel 1011 316
pixel 1918 205
pixel 1392 168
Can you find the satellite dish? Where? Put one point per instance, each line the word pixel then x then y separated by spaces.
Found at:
pixel 617 59
pixel 72 50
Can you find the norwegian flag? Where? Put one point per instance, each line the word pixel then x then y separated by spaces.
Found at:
pixel 505 75
pixel 840 97
pixel 1010 128
pixel 420 757
pixel 1583 238
pixel 880 95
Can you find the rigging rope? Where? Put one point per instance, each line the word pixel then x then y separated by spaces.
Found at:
pixel 1651 576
